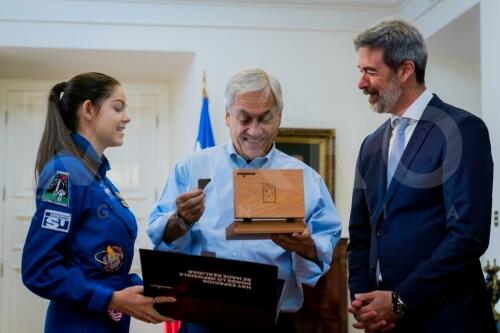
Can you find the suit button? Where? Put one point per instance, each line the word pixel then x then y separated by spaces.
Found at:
pixel 380 233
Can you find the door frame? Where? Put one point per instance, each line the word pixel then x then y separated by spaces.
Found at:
pixel 3 167
pixel 6 86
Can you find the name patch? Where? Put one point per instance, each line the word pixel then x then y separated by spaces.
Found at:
pixel 55 220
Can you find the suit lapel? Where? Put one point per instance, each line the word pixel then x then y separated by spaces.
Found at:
pixel 381 168
pixel 385 146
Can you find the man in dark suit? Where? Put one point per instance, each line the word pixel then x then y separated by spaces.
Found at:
pixel 421 206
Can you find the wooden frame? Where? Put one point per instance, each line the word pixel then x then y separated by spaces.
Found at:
pixel 315 147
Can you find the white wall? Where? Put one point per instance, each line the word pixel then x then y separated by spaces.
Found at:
pixel 455 82
pixel 490 72
pixel 432 15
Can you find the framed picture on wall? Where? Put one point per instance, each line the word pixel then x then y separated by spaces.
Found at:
pixel 315 147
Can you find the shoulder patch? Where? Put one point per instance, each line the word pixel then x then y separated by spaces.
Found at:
pixel 57 191
pixel 55 220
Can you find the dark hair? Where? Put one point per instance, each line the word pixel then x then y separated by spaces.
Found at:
pixel 400 41
pixel 64 100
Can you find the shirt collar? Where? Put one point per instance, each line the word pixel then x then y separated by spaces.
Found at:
pixel 101 164
pixel 416 109
pixel 241 162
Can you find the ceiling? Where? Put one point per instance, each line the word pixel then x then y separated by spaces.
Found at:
pixel 56 64
pixel 460 39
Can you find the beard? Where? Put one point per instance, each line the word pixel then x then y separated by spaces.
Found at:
pixel 387 98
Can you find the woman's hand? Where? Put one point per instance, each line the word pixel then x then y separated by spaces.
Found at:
pixel 132 302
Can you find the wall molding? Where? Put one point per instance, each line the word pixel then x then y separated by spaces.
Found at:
pixel 212 15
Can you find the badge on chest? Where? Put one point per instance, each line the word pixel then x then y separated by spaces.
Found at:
pixel 111 258
pixel 115 196
pixel 122 200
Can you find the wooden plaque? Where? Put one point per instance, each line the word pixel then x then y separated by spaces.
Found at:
pixel 267 201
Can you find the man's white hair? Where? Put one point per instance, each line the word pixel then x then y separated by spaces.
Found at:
pixel 252 79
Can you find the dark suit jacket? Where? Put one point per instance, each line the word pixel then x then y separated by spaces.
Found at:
pixel 431 225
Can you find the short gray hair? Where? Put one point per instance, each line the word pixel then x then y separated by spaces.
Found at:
pixel 252 79
pixel 400 41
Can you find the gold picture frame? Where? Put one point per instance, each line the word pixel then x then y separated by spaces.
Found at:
pixel 315 147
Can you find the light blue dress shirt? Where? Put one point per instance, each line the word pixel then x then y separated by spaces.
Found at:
pixel 209 233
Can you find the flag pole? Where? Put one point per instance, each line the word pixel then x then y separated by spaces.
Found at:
pixel 204 90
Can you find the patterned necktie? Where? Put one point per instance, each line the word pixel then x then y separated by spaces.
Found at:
pixel 398 146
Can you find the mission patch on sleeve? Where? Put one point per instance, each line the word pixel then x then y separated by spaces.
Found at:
pixel 57 192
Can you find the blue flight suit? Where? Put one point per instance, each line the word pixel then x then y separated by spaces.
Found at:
pixel 80 244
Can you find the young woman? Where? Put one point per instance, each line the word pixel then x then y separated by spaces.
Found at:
pixel 80 244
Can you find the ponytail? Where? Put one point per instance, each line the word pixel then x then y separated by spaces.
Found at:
pixel 64 100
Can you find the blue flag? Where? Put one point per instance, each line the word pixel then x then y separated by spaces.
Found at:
pixel 205 138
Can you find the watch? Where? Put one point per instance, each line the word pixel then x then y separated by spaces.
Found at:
pixel 398 305
pixel 183 225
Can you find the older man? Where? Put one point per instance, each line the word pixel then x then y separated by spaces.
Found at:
pixel 421 205
pixel 189 220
